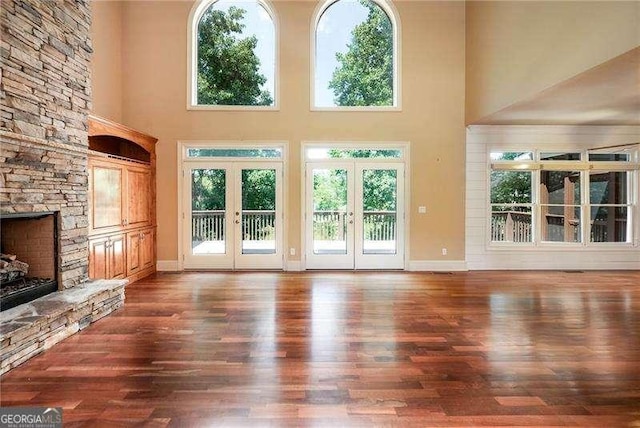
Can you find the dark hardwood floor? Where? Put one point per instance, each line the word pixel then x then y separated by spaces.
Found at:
pixel 352 349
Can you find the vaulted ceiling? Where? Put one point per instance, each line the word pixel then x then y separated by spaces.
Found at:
pixel 608 94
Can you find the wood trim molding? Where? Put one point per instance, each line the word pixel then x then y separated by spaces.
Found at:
pixel 101 126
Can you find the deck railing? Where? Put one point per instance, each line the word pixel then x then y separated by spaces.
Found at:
pixel 515 226
pixel 257 225
pixel 332 225
pixel 207 225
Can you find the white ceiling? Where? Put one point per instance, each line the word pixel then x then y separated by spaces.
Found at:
pixel 608 94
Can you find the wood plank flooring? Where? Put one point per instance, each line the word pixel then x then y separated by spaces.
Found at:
pixel 352 349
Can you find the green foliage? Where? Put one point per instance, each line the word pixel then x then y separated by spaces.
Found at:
pixel 207 190
pixel 259 189
pixel 379 185
pixel 379 190
pixel 330 190
pixel 510 187
pixel 228 68
pixel 235 153
pixel 367 153
pixel 364 76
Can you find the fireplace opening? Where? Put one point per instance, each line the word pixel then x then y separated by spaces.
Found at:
pixel 29 257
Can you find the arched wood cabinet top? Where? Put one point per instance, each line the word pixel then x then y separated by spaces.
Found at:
pixel 101 127
pixel 122 201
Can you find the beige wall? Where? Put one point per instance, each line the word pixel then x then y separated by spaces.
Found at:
pixel 432 118
pixel 106 64
pixel 515 49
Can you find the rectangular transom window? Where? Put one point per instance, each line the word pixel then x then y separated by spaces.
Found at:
pixel 352 153
pixel 272 153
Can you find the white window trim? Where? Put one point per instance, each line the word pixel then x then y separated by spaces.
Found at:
pixel 584 166
pixel 389 8
pixel 199 7
pixel 403 146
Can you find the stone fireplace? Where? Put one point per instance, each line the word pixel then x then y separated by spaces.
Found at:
pixel 45 102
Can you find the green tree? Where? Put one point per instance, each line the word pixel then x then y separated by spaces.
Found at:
pixel 208 190
pixel 364 76
pixel 330 190
pixel 259 189
pixel 228 68
pixel 510 187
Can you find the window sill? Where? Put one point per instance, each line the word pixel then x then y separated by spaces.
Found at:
pixel 232 108
pixel 561 246
pixel 369 109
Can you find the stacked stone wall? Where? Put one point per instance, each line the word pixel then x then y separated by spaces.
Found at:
pixel 45 99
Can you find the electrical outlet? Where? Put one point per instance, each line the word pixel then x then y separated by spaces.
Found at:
pixel 292 251
pixel 444 251
pixel 422 210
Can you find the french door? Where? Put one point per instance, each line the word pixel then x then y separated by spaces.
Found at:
pixel 233 215
pixel 354 215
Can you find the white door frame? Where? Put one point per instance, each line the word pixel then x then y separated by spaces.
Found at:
pixel 405 159
pixel 183 159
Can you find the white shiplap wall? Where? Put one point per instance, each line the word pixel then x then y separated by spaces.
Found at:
pixel 481 255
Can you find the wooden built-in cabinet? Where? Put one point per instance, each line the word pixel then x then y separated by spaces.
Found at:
pixel 121 201
pixel 140 251
pixel 107 257
pixel 120 194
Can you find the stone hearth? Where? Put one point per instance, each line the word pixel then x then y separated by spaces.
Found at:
pixel 29 329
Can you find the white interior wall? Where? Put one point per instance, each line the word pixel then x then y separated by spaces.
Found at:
pixel 481 255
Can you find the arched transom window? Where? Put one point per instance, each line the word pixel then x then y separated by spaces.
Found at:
pixel 232 50
pixel 355 53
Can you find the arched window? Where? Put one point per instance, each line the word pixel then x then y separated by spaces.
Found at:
pixel 232 55
pixel 356 55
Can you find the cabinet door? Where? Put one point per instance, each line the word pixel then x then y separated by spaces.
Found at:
pixel 138 196
pixel 98 258
pixel 106 185
pixel 133 252
pixel 147 249
pixel 117 262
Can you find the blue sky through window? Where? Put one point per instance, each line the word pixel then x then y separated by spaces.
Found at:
pixel 333 35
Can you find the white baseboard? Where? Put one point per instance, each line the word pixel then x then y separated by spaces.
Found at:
pixel 167 266
pixel 437 265
pixel 296 265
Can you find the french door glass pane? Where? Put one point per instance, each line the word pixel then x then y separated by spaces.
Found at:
pixel 330 211
pixel 379 208
pixel 258 211
pixel 208 204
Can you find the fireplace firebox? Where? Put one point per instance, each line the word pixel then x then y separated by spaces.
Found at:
pixel 29 259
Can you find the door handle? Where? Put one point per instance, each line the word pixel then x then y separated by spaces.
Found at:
pixel 237 213
pixel 237 221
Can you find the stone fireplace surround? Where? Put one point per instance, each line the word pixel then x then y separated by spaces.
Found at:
pixel 46 98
